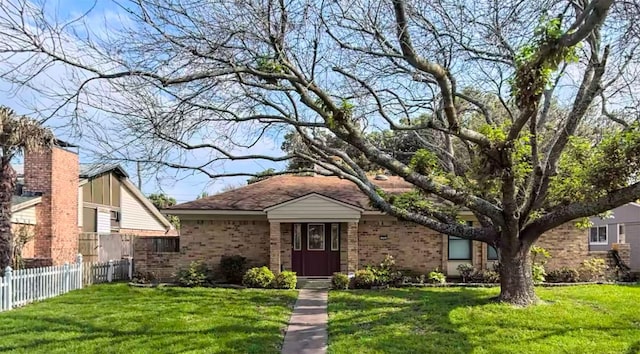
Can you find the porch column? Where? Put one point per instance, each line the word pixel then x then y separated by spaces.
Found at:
pixel 445 254
pixel 352 247
pixel 274 246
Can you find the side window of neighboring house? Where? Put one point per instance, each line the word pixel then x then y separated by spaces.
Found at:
pixel 459 248
pixel 621 238
pixel 598 235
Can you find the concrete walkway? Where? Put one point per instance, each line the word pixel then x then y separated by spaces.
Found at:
pixel 307 331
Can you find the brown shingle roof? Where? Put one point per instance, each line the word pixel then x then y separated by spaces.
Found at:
pixel 280 189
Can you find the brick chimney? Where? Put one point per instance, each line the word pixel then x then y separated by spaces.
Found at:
pixel 54 174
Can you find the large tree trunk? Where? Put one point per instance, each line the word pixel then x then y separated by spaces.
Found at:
pixel 516 280
pixel 7 187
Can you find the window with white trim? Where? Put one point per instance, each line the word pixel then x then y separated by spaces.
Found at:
pixel 459 249
pixel 598 235
pixel 620 229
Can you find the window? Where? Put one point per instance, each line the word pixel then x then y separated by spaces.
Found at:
pixel 492 253
pixel 620 229
pixel 315 237
pixel 598 235
pixel 335 237
pixel 297 237
pixel 459 248
pixel 165 244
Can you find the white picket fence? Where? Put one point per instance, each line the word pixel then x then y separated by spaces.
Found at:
pixel 20 287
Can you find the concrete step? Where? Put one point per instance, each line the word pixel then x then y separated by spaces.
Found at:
pixel 314 283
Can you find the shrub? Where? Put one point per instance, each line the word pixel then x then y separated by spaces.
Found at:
pixel 539 258
pixel 364 279
pixel 538 273
pixel 563 275
pixel 539 255
pixel 196 274
pixel 340 281
pixel 437 277
pixel 465 270
pixel 411 276
pixel 285 280
pixel 385 272
pixel 629 277
pixel 233 268
pixel 594 269
pixel 258 277
pixel 485 276
pixel 144 277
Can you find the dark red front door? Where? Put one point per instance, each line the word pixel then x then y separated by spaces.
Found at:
pixel 315 249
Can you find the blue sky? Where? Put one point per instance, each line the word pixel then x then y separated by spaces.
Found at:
pixel 182 185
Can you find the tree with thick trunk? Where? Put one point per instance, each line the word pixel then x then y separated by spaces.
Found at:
pixel 17 133
pixel 525 112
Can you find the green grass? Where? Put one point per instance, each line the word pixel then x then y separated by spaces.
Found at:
pixel 579 319
pixel 115 318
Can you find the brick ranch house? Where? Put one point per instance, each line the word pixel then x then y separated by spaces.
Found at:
pixel 62 202
pixel 316 226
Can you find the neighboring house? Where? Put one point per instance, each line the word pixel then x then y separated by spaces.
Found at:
pixel 316 226
pixel 623 226
pixel 58 199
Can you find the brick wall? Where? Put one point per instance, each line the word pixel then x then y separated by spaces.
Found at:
pixel 54 173
pixel 414 247
pixel 566 244
pixel 208 241
pixel 162 264
pixel 285 245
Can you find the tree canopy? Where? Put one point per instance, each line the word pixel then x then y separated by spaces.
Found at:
pixel 503 99
pixel 163 201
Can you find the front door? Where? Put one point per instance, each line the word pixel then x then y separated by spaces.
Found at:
pixel 315 249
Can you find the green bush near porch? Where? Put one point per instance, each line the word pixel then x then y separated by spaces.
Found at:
pixel 576 319
pixel 116 318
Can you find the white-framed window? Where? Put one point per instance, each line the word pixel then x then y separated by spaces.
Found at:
pixel 297 237
pixel 315 237
pixel 459 249
pixel 598 235
pixel 620 233
pixel 335 237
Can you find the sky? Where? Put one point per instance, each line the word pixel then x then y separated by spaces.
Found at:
pixel 182 185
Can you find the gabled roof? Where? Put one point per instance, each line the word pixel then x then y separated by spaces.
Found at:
pixel 311 195
pixel 90 170
pixel 280 189
pixel 22 202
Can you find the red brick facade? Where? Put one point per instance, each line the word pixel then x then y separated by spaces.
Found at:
pixel 54 173
pixel 365 243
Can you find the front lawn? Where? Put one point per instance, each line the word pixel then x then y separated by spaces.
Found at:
pixel 114 318
pixel 578 319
